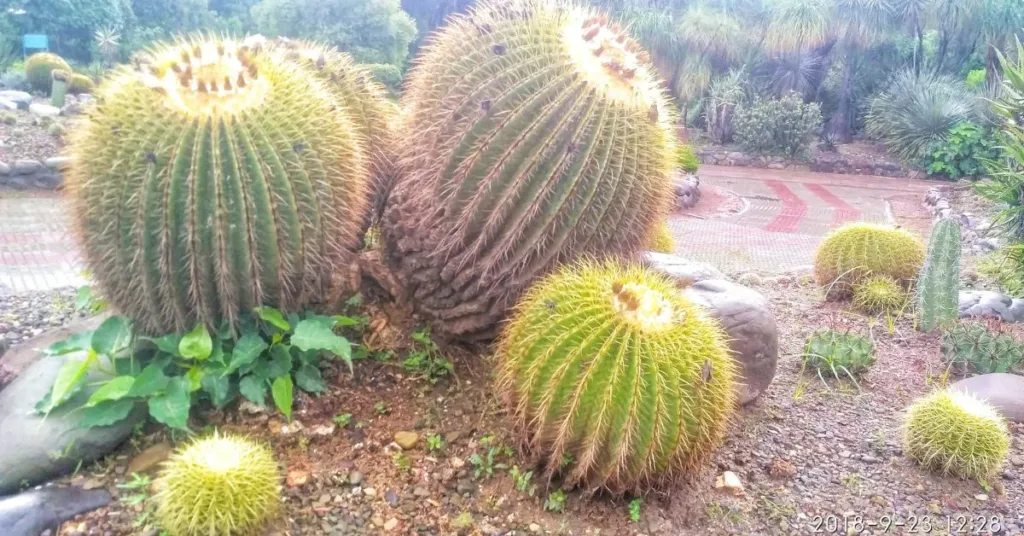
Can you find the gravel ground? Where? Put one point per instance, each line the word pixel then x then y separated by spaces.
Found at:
pixel 26 315
pixel 27 139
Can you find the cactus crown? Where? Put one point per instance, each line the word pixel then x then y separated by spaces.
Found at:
pixel 61 75
pixel 610 60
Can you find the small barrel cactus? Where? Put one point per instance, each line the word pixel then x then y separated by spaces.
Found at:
pixel 218 485
pixel 80 84
pixel 210 180
pixel 879 294
pixel 39 69
pixel 661 239
pixel 974 348
pixel 857 250
pixel 957 434
pixel 938 287
pixel 613 367
pixel 534 133
pixel 836 354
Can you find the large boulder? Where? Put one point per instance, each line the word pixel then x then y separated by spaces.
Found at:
pixel 684 271
pixel 1004 391
pixel 990 304
pixel 17 359
pixel 20 98
pixel 33 512
pixel 34 449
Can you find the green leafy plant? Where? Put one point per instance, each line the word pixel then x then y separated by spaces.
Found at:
pixel 137 496
pixel 521 480
pixel 938 286
pixel 975 78
pixel 980 349
pixel 687 159
pixel 961 153
pixel 381 408
pixel 88 302
pixel 1006 173
pixel 634 509
pixel 426 359
pixel 836 354
pixel 218 485
pixel 1005 266
pixel 273 355
pixel 555 501
pixel 401 462
pixel 955 433
pixel 435 442
pixel 484 465
pixel 343 419
pixel 783 126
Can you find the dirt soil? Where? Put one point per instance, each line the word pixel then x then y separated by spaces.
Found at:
pixel 30 138
pixel 814 457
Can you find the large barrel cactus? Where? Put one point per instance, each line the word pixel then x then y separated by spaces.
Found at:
pixel 855 251
pixel 533 133
pixel 366 101
pixel 209 180
pixel 39 69
pixel 612 368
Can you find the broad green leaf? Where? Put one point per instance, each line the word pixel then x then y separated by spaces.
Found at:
pixel 195 377
pixel 218 387
pixel 246 350
pixel 115 389
pixel 150 381
pixel 280 363
pixel 79 342
pixel 254 388
pixel 309 379
pixel 113 335
pixel 106 413
pixel 197 344
pixel 293 319
pixel 283 395
pixel 316 334
pixel 342 321
pixel 171 407
pixel 273 317
pixel 169 343
pixel 68 377
pixel 218 353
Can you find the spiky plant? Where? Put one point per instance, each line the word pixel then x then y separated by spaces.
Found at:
pixel 857 250
pixel 938 286
pixel 39 69
pixel 211 180
pixel 533 133
pixel 838 355
pixel 879 294
pixel 59 88
pixel 355 89
pixel 957 434
pixel 80 84
pixel 613 367
pixel 661 239
pixel 975 348
pixel 224 485
pixel 687 159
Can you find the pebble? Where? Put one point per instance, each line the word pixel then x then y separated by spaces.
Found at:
pixel 390 524
pixel 535 527
pixel 407 440
pixel 421 491
pixel 391 498
pixel 355 478
pixel 370 492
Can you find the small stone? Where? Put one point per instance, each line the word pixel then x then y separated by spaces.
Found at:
pixel 43 110
pixel 391 498
pixel 421 492
pixel 981 497
pixel 730 481
pixel 58 163
pixel 391 524
pixel 150 458
pixel 1017 461
pixel 355 478
pixel 456 462
pixel 370 492
pixel 297 478
pixel 324 499
pixel 323 430
pixel 92 483
pixel 535 527
pixel 27 167
pixel 407 440
pixel 844 454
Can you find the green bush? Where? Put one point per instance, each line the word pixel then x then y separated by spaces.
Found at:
pixel 1007 171
pixel 687 159
pixel 962 153
pixel 975 78
pixel 782 126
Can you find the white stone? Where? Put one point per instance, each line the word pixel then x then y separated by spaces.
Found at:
pixel 43 110
pixel 730 481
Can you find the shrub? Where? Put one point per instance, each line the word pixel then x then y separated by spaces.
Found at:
pixel 231 215
pixel 613 368
pixel 858 250
pixel 39 70
pixel 783 126
pixel 520 185
pixel 724 96
pixel 15 80
pixel 80 84
pixel 386 74
pixel 879 294
pixel 975 78
pixel 961 153
pixel 956 434
pixel 914 112
pixel 836 354
pixel 975 348
pixel 687 159
pixel 661 239
pixel 1006 186
pixel 218 485
pixel 1006 268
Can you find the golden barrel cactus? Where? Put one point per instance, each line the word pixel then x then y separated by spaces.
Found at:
pixel 661 240
pixel 533 132
pixel 612 367
pixel 39 69
pixel 855 251
pixel 210 180
pixel 956 433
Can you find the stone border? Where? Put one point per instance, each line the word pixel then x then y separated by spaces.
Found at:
pixel 48 174
pixel 974 231
pixel 826 163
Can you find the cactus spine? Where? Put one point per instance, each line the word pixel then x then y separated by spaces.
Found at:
pixel 210 180
pixel 938 288
pixel 534 133
pixel 612 366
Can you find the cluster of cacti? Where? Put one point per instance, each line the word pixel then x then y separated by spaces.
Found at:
pixel 858 250
pixel 837 354
pixel 60 86
pixel 973 347
pixel 687 159
pixel 957 434
pixel 879 294
pixel 661 239
pixel 533 133
pixel 938 287
pixel 354 88
pixel 613 367
pixel 211 179
pixel 218 485
pixel 80 84
pixel 39 69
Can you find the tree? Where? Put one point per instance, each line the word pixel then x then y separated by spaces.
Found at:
pixel 373 31
pixel 71 23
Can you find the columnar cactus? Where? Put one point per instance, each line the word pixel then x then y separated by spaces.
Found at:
pixel 612 366
pixel 59 90
pixel 211 180
pixel 533 133
pixel 938 287
pixel 218 485
pixel 957 434
pixel 858 250
pixel 39 69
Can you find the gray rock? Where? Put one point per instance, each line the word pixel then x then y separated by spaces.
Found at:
pixel 5 169
pixel 49 181
pixel 43 110
pixel 33 512
pixel 20 358
pixel 22 99
pixel 35 449
pixel 16 182
pixel 989 304
pixel 684 271
pixel 58 163
pixel 687 190
pixel 753 333
pixel 1004 391
pixel 8 105
pixel 27 167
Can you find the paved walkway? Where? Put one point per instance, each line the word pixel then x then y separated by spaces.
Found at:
pixel 783 218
